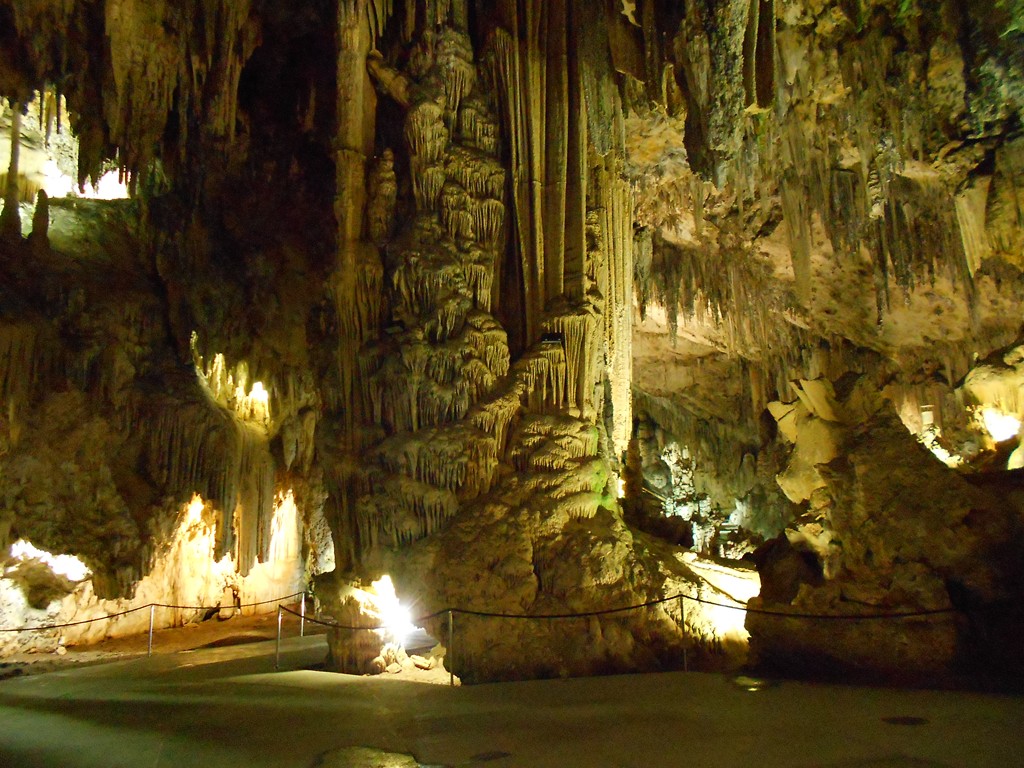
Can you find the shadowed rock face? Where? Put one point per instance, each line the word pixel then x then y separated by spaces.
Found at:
pixel 518 300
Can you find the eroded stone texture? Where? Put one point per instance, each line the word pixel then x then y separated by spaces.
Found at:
pixel 854 227
pixel 447 274
pixel 888 530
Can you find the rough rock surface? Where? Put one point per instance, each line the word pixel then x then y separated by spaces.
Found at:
pixel 433 284
pixel 889 529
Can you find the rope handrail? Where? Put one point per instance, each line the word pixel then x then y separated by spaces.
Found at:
pixel 151 605
pixel 504 615
pixel 75 623
pixel 648 604
pixel 232 605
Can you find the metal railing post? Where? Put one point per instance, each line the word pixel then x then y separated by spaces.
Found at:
pixel 277 655
pixel 302 617
pixel 682 618
pixel 152 612
pixel 451 650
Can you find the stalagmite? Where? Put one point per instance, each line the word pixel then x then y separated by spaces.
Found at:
pixel 10 217
pixel 39 237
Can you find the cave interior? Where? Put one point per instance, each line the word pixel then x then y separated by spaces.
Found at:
pixel 537 308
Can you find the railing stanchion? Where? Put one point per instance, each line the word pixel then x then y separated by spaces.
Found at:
pixel 451 650
pixel 682 618
pixel 302 617
pixel 277 655
pixel 152 611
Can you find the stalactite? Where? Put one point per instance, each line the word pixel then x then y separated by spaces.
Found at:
pixel 455 59
pixel 643 259
pixel 603 108
pixel 196 448
pixel 582 505
pixel 488 220
pixel 477 129
pixel 427 183
pixel 373 13
pixel 157 68
pixel 403 510
pixel 970 214
pixel 28 360
pixel 383 193
pixel 519 78
pixel 577 331
pixel 557 460
pixel 920 235
pixel 455 215
pixel 553 444
pixel 797 217
pixel 447 318
pixel 615 201
pixel 356 296
pixel 494 416
pixel 480 278
pixel 427 138
pixel 430 384
pixel 254 513
pixel 425 132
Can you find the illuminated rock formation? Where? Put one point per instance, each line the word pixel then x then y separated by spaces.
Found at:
pixel 517 302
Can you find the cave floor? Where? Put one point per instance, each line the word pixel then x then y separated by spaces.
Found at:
pixel 226 706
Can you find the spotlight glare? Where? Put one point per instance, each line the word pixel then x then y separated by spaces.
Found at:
pixel 382 602
pixel 1000 426
pixel 398 622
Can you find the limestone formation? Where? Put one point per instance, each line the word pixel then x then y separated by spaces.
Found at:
pixel 540 308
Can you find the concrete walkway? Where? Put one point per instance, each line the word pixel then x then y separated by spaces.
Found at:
pixel 222 707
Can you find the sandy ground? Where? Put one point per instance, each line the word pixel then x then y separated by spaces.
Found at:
pixel 227 707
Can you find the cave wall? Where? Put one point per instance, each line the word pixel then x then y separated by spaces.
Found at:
pixel 156 350
pixel 848 218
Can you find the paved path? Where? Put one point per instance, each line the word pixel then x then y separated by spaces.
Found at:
pixel 220 707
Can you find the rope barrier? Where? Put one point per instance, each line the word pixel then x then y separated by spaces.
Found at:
pixel 333 624
pixel 648 604
pixel 891 615
pixel 219 607
pixel 829 616
pixel 76 623
pixel 153 605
